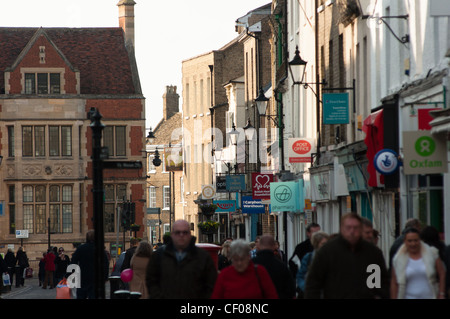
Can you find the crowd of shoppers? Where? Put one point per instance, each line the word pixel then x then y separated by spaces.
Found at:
pixel 344 265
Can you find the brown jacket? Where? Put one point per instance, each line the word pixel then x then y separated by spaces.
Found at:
pixel 139 265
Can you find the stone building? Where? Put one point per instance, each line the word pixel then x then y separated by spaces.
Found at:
pixel 50 80
pixel 164 181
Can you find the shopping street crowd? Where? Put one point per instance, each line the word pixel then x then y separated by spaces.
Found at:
pixel 331 266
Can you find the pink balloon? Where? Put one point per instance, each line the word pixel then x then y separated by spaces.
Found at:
pixel 126 275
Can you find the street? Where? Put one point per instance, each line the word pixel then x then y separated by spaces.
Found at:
pixel 31 290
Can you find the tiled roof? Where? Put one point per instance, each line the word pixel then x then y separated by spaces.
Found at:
pixel 163 131
pixel 98 53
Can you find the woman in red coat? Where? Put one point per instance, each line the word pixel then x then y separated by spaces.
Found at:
pixel 49 260
pixel 243 279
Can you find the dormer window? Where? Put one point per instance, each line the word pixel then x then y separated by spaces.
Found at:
pixel 42 83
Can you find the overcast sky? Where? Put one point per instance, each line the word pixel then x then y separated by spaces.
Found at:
pixel 167 32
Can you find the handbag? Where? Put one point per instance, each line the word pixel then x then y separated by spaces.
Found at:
pixel 63 290
pixel 28 272
pixel 6 280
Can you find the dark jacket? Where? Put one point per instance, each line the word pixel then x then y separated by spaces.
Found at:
pixel 22 259
pixel 127 261
pixel 300 251
pixel 279 273
pixel 84 256
pixel 337 272
pixel 191 278
pixel 10 259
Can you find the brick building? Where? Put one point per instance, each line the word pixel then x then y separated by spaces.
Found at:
pixel 164 181
pixel 50 79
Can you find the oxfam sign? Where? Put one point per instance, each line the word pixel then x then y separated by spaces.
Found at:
pixel 424 153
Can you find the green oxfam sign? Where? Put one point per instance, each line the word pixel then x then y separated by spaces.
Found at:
pixel 424 153
pixel 425 146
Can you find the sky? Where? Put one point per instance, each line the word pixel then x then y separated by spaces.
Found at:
pixel 166 32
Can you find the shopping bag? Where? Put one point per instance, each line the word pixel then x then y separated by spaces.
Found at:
pixel 28 272
pixel 6 280
pixel 63 290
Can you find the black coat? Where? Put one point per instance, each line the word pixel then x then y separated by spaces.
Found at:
pixel 193 277
pixel 84 257
pixel 279 273
pixel 338 272
pixel 10 259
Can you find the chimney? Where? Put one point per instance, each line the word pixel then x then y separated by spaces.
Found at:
pixel 170 102
pixel 126 20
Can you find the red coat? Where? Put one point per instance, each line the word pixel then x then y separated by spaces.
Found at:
pixel 50 261
pixel 233 285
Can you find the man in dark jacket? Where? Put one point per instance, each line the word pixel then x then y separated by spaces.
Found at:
pixel 84 257
pixel 348 267
pixel 279 273
pixel 302 249
pixel 180 270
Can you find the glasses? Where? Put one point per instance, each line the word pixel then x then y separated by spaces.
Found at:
pixel 181 232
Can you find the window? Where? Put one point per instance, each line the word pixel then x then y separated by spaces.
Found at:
pixel 12 209
pixel 60 140
pixel 42 83
pixel 34 140
pixel 114 138
pixel 166 197
pixel 152 197
pixel 59 205
pixel 11 141
pixel 115 195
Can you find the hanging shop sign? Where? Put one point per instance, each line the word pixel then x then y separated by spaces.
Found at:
pixel 208 192
pixel 300 150
pixel 225 206
pixel 252 206
pixel 221 184
pixel 424 153
pixel 386 162
pixel 261 185
pixel 173 158
pixel 335 108
pixel 235 183
pixel 284 196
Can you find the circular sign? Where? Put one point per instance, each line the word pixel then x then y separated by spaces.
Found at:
pixel 283 194
pixel 425 146
pixel 301 147
pixel 386 162
pixel 208 192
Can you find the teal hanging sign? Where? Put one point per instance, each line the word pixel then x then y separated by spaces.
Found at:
pixel 284 197
pixel 336 108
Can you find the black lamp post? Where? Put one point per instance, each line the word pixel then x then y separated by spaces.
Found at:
pixel 97 128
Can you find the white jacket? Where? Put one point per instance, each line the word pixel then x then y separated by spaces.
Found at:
pixel 400 261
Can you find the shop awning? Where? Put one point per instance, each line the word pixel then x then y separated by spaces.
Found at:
pixel 374 128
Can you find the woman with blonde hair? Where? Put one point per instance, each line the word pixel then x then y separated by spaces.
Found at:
pixel 417 270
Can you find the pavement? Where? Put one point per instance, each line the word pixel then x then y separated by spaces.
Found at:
pixel 32 290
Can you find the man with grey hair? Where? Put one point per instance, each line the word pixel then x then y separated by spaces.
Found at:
pixel 181 270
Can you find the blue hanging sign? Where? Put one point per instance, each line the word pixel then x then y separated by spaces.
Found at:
pixel 235 183
pixel 225 206
pixel 335 108
pixel 386 162
pixel 252 206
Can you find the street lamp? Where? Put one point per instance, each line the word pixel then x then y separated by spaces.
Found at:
pixel 261 102
pixel 234 135
pixel 249 131
pixel 150 136
pixel 298 66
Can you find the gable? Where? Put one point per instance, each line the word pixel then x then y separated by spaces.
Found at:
pixel 99 54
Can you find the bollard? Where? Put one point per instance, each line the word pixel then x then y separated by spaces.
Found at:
pixel 135 295
pixel 122 294
pixel 114 282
